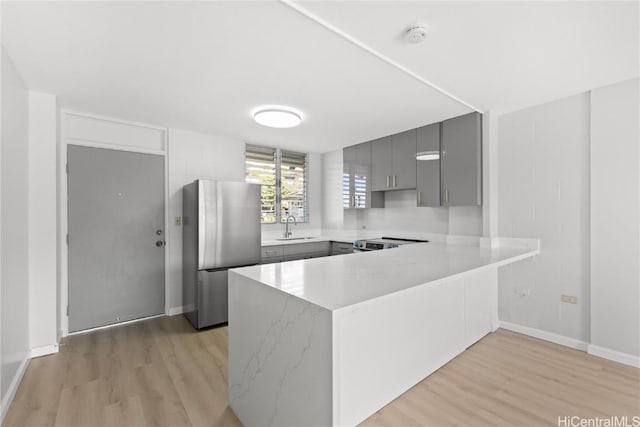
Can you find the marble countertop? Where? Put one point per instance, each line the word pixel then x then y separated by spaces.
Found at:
pixel 345 280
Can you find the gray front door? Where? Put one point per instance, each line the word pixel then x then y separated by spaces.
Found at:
pixel 116 236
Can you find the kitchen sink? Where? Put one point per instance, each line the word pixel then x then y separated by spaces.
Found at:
pixel 296 238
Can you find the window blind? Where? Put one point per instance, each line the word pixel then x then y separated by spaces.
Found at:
pixel 346 190
pixel 360 190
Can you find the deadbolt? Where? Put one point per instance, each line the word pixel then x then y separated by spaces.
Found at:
pixel 159 232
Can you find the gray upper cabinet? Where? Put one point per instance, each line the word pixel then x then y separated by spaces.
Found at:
pixel 453 177
pixel 461 161
pixel 348 162
pixel 356 185
pixel 381 164
pixel 404 160
pixel 393 162
pixel 428 171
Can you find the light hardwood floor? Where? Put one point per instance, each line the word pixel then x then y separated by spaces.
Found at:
pixel 161 372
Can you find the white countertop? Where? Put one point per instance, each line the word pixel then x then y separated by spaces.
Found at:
pixel 345 280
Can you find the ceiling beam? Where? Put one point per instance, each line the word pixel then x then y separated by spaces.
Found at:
pixel 312 16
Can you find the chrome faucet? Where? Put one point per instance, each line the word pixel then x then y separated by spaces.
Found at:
pixel 288 233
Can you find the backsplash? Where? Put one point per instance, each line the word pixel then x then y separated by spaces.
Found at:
pixel 400 213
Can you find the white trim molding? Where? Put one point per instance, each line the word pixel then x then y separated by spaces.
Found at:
pixel 358 43
pixel 594 350
pixel 616 356
pixel 44 350
pixel 13 388
pixel 173 311
pixel 121 141
pixel 544 335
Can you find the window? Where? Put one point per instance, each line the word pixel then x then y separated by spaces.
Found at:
pixel 283 176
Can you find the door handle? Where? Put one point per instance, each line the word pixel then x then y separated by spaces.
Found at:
pixel 394 181
pixel 388 179
pixel 159 243
pixel 419 198
pixel 446 196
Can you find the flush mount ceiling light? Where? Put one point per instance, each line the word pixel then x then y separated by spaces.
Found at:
pixel 428 155
pixel 277 117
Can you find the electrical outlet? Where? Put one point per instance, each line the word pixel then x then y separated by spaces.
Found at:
pixel 178 221
pixel 570 299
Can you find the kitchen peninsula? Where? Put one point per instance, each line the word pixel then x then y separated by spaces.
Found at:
pixel 329 341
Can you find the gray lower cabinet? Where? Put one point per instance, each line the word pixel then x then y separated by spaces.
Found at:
pixel 461 160
pixel 272 254
pixel 341 248
pixel 305 250
pixel 290 252
pixel 393 162
pixel 428 170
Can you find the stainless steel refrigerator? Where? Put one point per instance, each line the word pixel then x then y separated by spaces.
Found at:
pixel 220 230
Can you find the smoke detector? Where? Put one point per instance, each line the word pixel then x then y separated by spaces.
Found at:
pixel 416 33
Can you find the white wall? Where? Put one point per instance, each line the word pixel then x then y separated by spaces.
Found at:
pixel 544 193
pixel 42 222
pixel 615 220
pixel 14 249
pixel 192 156
pixel 400 214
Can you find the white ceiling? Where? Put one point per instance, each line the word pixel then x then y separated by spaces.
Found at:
pixel 205 66
pixel 501 55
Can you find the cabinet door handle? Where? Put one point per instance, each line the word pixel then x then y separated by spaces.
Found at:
pixel 388 180
pixel 446 196
pixel 394 181
pixel 353 201
pixel 419 198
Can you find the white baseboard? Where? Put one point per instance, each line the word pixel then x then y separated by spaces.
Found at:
pixel 616 356
pixel 605 353
pixel 547 336
pixel 175 310
pixel 13 388
pixel 44 350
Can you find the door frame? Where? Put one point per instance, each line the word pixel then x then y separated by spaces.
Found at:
pixel 64 139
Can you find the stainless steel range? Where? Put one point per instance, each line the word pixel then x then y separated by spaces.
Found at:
pixel 382 243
